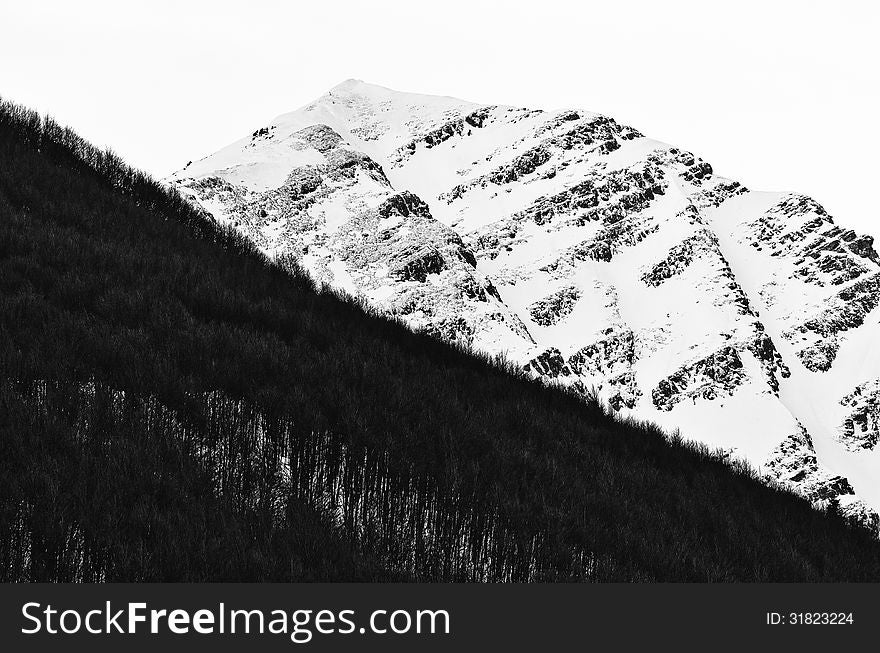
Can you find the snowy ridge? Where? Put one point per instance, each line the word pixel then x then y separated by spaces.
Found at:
pixel 595 257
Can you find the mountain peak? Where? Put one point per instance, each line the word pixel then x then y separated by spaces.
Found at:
pixel 354 86
pixel 349 84
pixel 589 254
pixel 362 92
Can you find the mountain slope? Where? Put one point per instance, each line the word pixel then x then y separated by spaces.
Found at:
pixel 591 256
pixel 174 407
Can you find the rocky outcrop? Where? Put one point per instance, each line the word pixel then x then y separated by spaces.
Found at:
pixel 302 182
pixel 554 307
pixel 607 197
pixel 718 374
pixel 424 270
pixel 846 310
pixel 460 126
pixel 600 135
pixel 386 243
pixel 768 357
pixel 861 426
pixel 859 513
pixel 261 134
pixel 793 464
pixel 548 364
pixel 680 257
pixel 403 205
pixel 715 194
pixel 522 166
pixel 320 137
pixel 604 198
pixel 416 263
pixel 688 166
pixel 602 247
pixel 824 254
pixel 608 364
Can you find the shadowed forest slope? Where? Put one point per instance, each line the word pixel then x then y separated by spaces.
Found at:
pixel 175 407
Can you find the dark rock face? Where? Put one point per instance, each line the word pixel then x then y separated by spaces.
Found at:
pixel 320 137
pixel 819 357
pixel 605 244
pixel 304 187
pixel 609 198
pixel 524 164
pixel 611 357
pixel 847 310
pixel 720 372
pixel 433 138
pixel 690 167
pixel 860 245
pixel 346 163
pixel 627 391
pixel 555 307
pixel 478 118
pixel 262 134
pixel 601 135
pixel 831 256
pixel 825 254
pixel 702 245
pixel 620 201
pixel 560 119
pixel 861 427
pixel 769 358
pixel 715 195
pixel 404 204
pixel 416 263
pixel 549 364
pixel 793 464
pixel 681 256
pixel 862 297
pixel 437 249
pixel 302 181
pixel 604 354
pixel 599 129
pixel 606 198
pixel 800 205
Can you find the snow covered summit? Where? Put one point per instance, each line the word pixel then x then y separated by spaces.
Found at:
pixel 592 255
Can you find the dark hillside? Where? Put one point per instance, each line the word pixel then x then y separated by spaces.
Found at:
pixel 174 407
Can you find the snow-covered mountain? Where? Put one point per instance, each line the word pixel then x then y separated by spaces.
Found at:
pixel 590 254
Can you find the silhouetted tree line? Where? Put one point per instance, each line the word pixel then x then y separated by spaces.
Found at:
pixel 174 406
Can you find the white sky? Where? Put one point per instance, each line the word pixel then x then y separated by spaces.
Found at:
pixel 781 95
